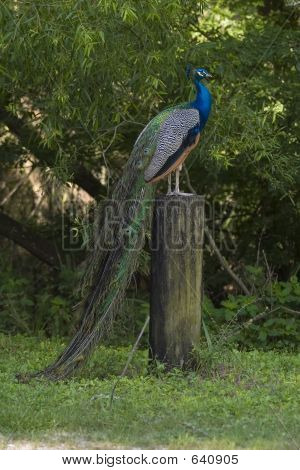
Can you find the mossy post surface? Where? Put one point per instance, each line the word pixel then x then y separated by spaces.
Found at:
pixel 176 277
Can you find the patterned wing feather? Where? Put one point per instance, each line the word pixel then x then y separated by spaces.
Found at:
pixel 170 138
pixel 146 142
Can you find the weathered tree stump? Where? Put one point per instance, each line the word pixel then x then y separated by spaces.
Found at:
pixel 176 278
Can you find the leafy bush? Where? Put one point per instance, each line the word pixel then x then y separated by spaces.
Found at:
pixel 267 319
pixel 31 307
pixel 39 302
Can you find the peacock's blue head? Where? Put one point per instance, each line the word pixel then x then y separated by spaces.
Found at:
pixel 197 73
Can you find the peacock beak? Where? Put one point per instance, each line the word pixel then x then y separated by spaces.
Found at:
pixel 208 75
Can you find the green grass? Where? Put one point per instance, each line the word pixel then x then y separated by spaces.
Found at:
pixel 235 400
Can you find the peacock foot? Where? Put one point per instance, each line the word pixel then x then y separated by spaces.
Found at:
pixel 178 193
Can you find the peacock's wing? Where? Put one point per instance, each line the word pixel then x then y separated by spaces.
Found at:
pixel 132 181
pixel 176 132
pixel 146 143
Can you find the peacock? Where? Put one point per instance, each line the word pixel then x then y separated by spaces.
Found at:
pixel 178 133
pixel 158 152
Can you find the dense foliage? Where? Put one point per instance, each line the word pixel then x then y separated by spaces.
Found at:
pixel 79 79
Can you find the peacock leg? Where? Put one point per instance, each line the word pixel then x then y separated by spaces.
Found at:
pixel 177 191
pixel 169 184
pixel 177 175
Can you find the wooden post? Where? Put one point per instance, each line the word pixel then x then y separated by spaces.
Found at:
pixel 176 277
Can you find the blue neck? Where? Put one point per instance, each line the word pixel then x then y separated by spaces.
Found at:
pixel 202 102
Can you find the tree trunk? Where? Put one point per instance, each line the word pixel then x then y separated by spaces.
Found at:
pixel 37 246
pixel 176 278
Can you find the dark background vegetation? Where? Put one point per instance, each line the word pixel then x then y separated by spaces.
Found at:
pixel 78 81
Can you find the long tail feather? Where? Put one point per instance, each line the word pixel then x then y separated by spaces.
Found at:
pixel 109 268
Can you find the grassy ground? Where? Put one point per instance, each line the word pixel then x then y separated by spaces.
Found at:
pixel 235 400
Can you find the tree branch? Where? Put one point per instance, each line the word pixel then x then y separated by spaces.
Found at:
pixel 21 235
pixel 225 264
pixel 21 181
pixel 30 139
pixel 129 359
